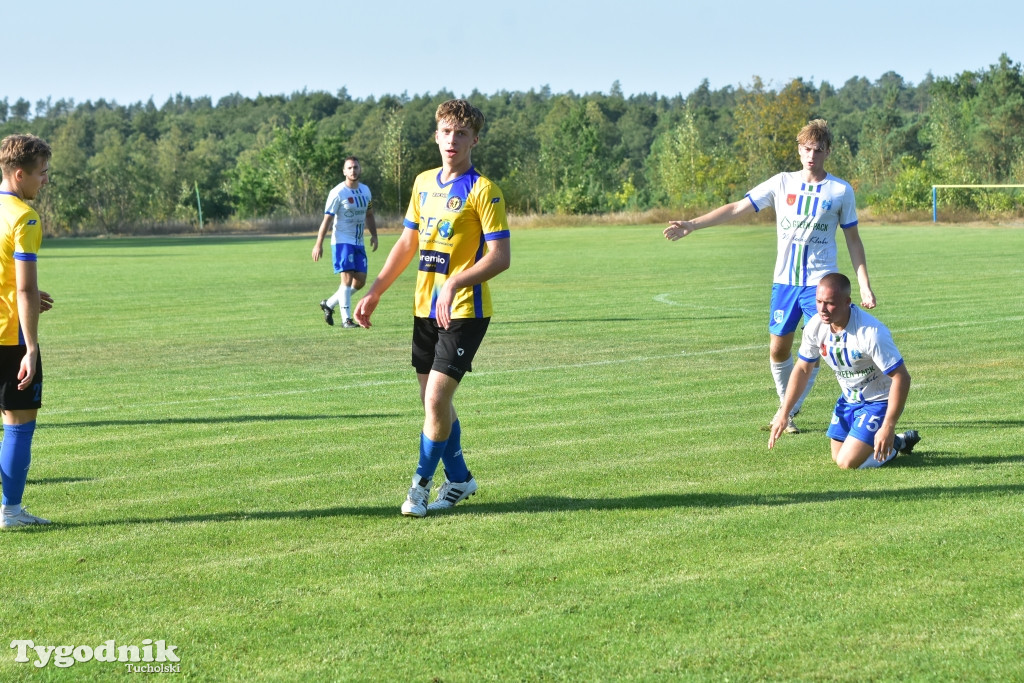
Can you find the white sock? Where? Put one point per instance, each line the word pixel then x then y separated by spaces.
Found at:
pixel 10 509
pixel 781 372
pixel 871 462
pixel 803 396
pixel 337 297
pixel 346 302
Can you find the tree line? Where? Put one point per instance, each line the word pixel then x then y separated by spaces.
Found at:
pixel 118 167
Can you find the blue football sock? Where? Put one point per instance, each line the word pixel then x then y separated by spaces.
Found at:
pixel 454 463
pixel 15 457
pixel 430 455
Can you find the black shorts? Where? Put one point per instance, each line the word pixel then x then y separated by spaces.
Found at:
pixel 10 397
pixel 450 351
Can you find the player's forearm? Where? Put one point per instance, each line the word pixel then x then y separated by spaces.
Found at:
pixel 858 258
pixel 28 316
pixel 371 224
pixel 398 260
pixel 324 226
pixel 898 392
pixel 496 260
pixel 798 379
pixel 722 214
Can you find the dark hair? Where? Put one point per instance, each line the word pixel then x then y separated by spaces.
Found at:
pixel 23 151
pixel 837 282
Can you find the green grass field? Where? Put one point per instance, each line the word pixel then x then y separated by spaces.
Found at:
pixel 225 471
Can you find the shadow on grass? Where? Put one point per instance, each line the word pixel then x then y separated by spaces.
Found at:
pixel 235 419
pixel 58 480
pixel 651 319
pixel 951 459
pixel 540 504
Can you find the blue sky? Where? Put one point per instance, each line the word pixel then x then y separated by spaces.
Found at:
pixel 130 51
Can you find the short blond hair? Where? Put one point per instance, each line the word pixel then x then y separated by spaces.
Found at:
pixel 816 132
pixel 22 151
pixel 462 113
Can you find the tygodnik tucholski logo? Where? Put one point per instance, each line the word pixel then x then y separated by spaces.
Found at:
pixel 152 656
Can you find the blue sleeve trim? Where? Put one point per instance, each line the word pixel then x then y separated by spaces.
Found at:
pixel 22 256
pixel 328 213
pixel 848 225
pixel 500 235
pixel 752 203
pixel 895 366
pixel 409 224
pixel 808 360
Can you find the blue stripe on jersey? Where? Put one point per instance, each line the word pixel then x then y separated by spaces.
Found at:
pixel 814 211
pixel 895 366
pixel 753 204
pixel 478 291
pixel 848 225
pixel 500 235
pixel 22 256
pixel 328 213
pixel 808 360
pixel 800 205
pixel 409 224
pixel 461 186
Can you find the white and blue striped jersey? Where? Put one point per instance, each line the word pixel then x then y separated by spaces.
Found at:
pixel 806 216
pixel 862 355
pixel 348 206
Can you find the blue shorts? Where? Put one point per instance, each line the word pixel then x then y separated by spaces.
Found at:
pixel 789 304
pixel 349 258
pixel 859 420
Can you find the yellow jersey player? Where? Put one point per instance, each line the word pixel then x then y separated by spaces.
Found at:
pixel 457 227
pixel 25 163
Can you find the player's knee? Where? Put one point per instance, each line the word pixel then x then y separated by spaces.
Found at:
pixel 847 462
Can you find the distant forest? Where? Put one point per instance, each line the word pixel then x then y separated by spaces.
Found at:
pixel 121 168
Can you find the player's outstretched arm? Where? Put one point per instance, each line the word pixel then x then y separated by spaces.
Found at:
pixel 898 391
pixel 398 259
pixel 797 383
pixel 855 246
pixel 678 229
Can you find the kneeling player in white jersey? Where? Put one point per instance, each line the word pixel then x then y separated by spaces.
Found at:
pixel 871 373
pixel 809 205
pixel 349 210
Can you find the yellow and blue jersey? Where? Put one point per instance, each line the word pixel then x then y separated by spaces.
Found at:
pixel 455 221
pixel 21 236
